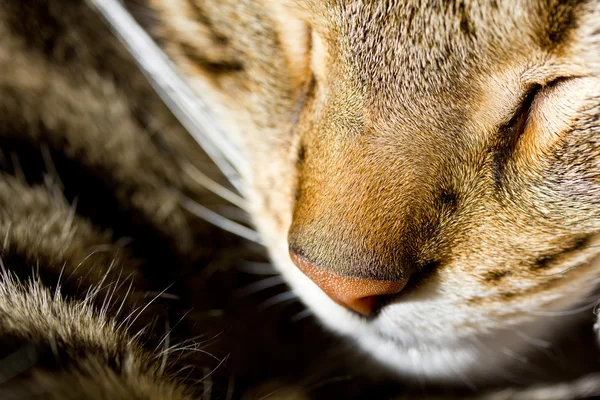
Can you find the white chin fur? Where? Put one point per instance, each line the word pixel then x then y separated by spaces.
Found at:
pixel 419 341
pixel 437 363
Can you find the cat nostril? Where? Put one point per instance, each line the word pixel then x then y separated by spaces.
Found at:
pixel 356 294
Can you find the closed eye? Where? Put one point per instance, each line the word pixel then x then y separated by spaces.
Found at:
pixel 512 132
pixel 509 133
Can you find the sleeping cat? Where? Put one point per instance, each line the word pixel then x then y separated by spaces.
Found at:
pixel 423 173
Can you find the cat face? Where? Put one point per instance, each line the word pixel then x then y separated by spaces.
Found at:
pixel 432 169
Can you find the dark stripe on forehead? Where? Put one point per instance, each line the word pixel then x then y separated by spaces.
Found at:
pixel 559 18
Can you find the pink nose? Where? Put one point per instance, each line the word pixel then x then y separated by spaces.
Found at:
pixel 356 294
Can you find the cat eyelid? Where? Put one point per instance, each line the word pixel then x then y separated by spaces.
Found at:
pixel 522 112
pixel 511 133
pixel 523 109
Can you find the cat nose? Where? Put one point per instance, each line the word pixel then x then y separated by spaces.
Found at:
pixel 357 294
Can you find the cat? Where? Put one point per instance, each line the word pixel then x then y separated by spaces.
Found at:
pixel 422 174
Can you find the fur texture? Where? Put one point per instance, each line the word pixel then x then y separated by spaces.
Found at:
pixel 450 143
pixel 453 144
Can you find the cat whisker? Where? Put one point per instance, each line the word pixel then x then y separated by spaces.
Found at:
pixel 256 268
pixel 166 340
pixel 302 315
pixel 57 289
pixel 193 113
pixel 539 343
pixel 70 217
pixel 259 286
pixel 233 213
pixel 124 300
pixel 168 333
pixel 190 349
pixel 220 221
pixel 108 299
pixel 166 296
pixel 270 393
pixel 567 313
pixel 99 249
pixel 278 299
pixel 213 186
pixel 206 376
pixel 149 304
pixel 5 244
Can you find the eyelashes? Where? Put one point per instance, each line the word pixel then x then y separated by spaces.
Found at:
pixel 516 126
pixel 510 133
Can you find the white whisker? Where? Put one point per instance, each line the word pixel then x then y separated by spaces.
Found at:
pixel 539 343
pixel 167 296
pixel 191 349
pixel 206 376
pixel 233 213
pixel 6 236
pixel 578 310
pixel 109 294
pixel 256 268
pixel 124 300
pixel 259 286
pixel 278 299
pixel 213 186
pixel 167 340
pixel 270 394
pixel 220 221
pixel 57 289
pixel 149 303
pixel 301 315
pixel 70 217
pixel 100 249
pixel 193 113
pixel 170 330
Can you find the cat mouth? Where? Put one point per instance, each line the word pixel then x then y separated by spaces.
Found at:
pixel 423 279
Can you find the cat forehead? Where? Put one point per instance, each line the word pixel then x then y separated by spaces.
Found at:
pixel 412 51
pixel 385 30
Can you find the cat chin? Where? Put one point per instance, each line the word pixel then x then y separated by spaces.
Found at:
pixel 437 362
pixel 432 350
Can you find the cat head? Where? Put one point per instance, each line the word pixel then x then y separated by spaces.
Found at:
pixel 425 174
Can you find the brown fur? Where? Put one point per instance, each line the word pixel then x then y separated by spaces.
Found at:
pixel 411 139
pixel 451 143
pixel 386 139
